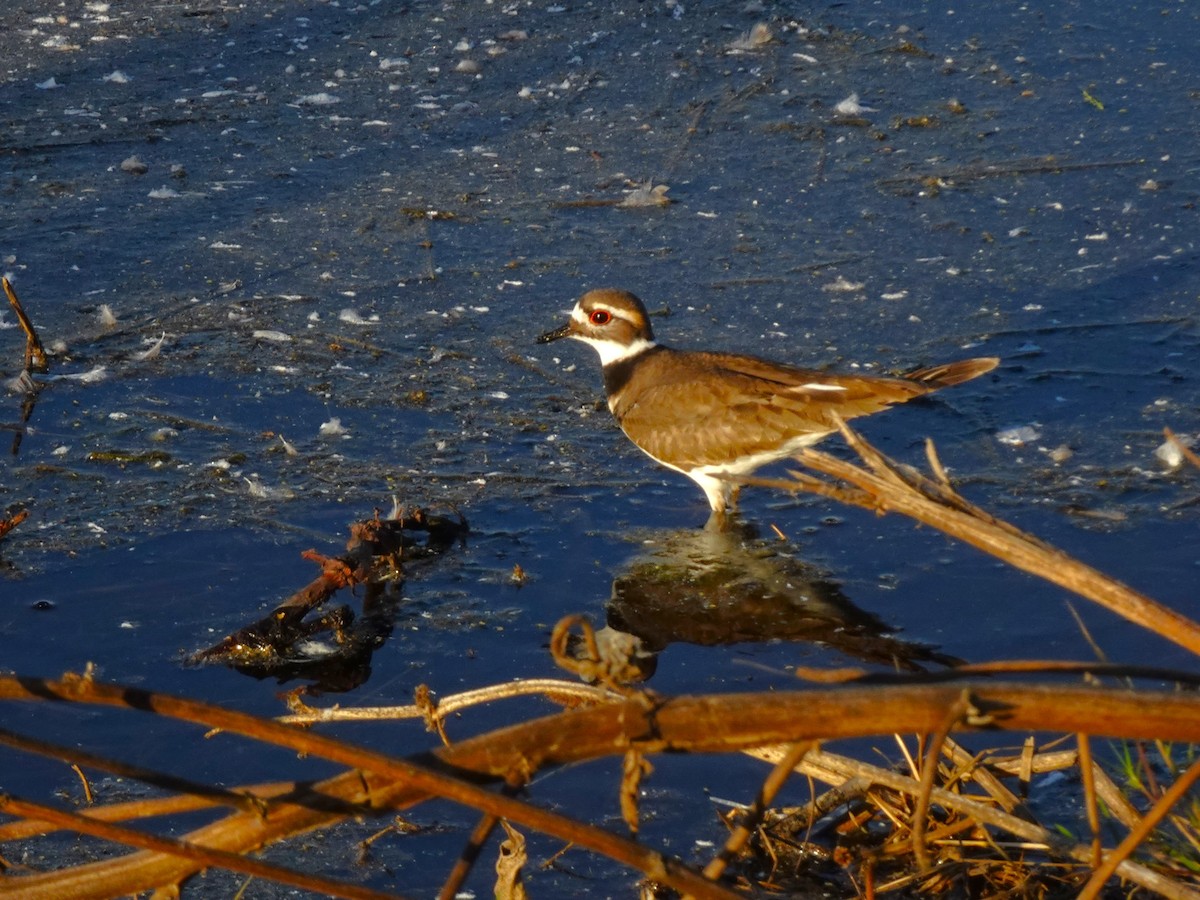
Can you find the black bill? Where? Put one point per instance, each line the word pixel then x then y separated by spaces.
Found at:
pixel 556 334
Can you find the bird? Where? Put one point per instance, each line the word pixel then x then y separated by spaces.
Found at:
pixel 716 416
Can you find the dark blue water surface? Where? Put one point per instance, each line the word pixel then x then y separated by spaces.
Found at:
pixel 336 224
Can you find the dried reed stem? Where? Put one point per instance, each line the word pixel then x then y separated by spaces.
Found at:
pixel 885 486
pixel 1118 857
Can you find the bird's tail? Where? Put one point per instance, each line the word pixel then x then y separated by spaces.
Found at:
pixel 954 373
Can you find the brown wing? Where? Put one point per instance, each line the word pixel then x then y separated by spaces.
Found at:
pixel 691 424
pixel 707 408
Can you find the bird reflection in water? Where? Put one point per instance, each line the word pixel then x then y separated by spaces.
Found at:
pixel 719 587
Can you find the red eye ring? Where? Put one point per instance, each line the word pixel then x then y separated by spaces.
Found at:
pixel 600 317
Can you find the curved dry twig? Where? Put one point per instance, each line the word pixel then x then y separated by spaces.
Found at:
pixel 565 693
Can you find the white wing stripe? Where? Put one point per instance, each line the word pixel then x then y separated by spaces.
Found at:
pixel 817 386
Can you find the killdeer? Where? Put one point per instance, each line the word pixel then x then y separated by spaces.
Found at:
pixel 709 415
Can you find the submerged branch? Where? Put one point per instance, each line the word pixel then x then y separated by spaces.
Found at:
pixel 11 522
pixel 35 353
pixel 1043 165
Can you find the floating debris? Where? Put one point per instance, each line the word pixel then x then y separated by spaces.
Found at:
pixel 419 213
pixel 332 648
pixel 91 376
pixel 1101 515
pixel 333 428
pixel 758 36
pixel 851 107
pixel 1018 435
pixel 60 42
pixel 843 285
pixel 134 166
pixel 116 76
pixel 1170 453
pixel 648 194
pixel 21 384
pixel 261 491
pixel 353 317
pixel 321 99
pixel 8 523
pixel 152 458
pixel 153 352
pixel 277 337
pixel 1061 453
pixel 1092 101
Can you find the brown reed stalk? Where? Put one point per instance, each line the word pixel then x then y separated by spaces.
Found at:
pixel 883 485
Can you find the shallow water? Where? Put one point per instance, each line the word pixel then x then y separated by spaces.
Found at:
pixel 387 259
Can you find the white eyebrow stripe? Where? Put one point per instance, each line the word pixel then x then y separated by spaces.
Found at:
pixel 817 386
